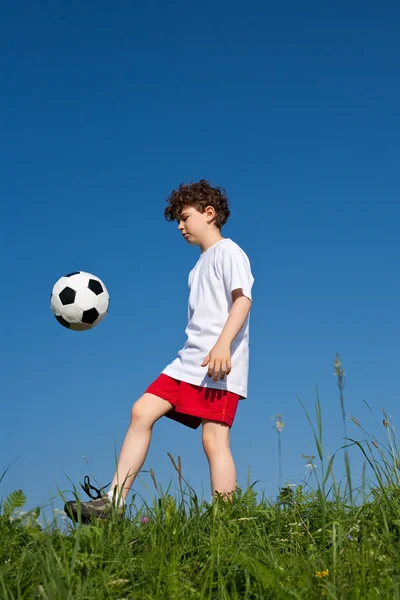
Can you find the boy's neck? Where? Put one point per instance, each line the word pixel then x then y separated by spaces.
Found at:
pixel 213 238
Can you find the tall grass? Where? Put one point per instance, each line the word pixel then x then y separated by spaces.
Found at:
pixel 323 541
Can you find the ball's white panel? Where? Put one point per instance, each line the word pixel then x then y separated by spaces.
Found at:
pixel 98 320
pixel 80 326
pixel 79 281
pixel 60 285
pixel 85 299
pixel 104 288
pixel 72 313
pixel 102 303
pixel 55 305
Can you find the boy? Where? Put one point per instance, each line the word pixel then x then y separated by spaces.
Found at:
pixel 204 384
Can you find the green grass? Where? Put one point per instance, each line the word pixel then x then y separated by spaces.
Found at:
pixel 330 541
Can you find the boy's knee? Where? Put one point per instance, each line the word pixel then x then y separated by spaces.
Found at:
pixel 213 441
pixel 140 413
pixel 209 445
pixel 148 409
pixel 136 412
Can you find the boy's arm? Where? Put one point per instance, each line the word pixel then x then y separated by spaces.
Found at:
pixel 219 358
pixel 237 317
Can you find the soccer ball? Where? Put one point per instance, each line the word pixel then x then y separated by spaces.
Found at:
pixel 79 301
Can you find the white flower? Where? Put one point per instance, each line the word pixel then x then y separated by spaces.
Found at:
pixel 60 513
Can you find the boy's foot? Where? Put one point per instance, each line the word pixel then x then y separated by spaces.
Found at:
pixel 99 507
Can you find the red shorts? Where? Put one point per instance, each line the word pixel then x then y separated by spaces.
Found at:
pixel 192 403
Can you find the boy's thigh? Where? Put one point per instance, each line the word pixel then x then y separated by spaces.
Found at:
pixel 150 406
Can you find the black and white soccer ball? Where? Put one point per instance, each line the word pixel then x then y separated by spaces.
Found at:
pixel 79 301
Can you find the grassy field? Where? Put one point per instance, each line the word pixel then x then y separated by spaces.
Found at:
pixel 327 542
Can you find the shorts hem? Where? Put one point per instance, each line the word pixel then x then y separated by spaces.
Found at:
pixel 211 417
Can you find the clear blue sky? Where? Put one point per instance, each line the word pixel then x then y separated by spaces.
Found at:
pixel 294 109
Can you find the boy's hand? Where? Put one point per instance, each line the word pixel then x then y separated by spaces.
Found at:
pixel 218 361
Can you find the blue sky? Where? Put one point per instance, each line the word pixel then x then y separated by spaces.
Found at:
pixel 104 110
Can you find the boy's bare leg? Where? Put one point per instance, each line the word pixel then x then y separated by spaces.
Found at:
pixel 215 437
pixel 145 412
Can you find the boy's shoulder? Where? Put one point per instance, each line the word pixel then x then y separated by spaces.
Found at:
pixel 229 246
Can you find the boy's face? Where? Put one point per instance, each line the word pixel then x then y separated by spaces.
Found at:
pixel 195 225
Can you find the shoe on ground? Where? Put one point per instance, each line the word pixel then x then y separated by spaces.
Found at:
pixel 99 507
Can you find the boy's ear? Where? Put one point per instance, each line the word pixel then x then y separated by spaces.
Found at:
pixel 210 210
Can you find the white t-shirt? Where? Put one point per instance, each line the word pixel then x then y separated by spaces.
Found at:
pixel 222 268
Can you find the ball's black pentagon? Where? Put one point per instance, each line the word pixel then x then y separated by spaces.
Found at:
pixel 89 316
pixel 70 274
pixel 62 321
pixel 95 286
pixel 67 296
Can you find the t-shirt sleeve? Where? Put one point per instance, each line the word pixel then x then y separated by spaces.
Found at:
pixel 236 272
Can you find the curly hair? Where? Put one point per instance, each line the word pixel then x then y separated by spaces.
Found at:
pixel 200 195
